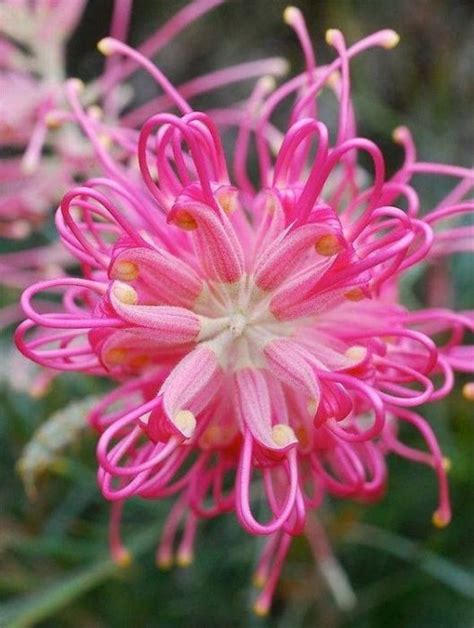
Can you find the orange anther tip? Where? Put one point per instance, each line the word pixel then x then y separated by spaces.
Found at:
pixel 123 559
pixel 105 46
pixel 392 39
pixel 125 271
pixel 328 245
pixel 260 609
pixel 165 563
pixel 184 560
pixel 439 520
pixel 468 391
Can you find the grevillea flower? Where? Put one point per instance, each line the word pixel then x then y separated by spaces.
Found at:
pixel 254 329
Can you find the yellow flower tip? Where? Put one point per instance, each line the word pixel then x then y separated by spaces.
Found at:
pixel 228 199
pixel 115 356
pixel 29 166
pixel 258 580
pixel 184 220
pixel 123 559
pixel 185 421
pixel 312 406
pixel 106 46
pixel 212 436
pixel 125 271
pixel 283 435
pixel 331 35
pixel 164 562
pixel 53 119
pixel 391 40
pixel 356 294
pixel 139 361
pixel 184 559
pixel 328 245
pixel 356 353
pixel 447 464
pixel 260 609
pixel 271 204
pixel 440 520
pixel 125 293
pixel 95 112
pixel 268 83
pixel 290 14
pixel 468 391
pixel 334 79
pixel 77 85
pixel 398 134
pixel 105 140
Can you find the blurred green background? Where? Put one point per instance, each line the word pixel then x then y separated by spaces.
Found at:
pixel 54 566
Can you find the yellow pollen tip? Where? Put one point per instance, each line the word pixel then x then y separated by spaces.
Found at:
pixel 398 133
pixel 283 435
pixel 271 203
pixel 227 200
pixel 439 520
pixel 77 84
pixel 391 40
pixel 95 112
pixel 447 464
pixel 327 245
pixel 258 580
pixel 139 361
pixel 468 391
pixel 185 421
pixel 333 79
pixel 356 294
pixel 125 293
pixel 105 46
pixel 260 609
pixel 105 140
pixel 356 353
pixel 124 559
pixel 164 562
pixel 211 436
pixel 330 35
pixel 312 406
pixel 268 83
pixel 184 559
pixel 290 14
pixel 184 220
pixel 53 120
pixel 115 356
pixel 125 271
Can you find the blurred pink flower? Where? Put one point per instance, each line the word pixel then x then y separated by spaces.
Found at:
pixel 254 330
pixel 35 116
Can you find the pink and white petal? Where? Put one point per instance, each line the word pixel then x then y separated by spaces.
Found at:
pixel 253 408
pixel 157 276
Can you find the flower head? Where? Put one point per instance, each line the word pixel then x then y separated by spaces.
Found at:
pixel 254 330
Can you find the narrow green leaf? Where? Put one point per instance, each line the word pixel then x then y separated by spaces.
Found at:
pixel 30 609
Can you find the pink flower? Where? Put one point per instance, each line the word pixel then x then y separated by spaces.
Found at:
pixel 255 330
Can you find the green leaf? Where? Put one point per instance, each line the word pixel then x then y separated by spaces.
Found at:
pixel 35 607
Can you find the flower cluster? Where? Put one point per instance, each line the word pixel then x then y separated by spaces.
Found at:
pixel 254 328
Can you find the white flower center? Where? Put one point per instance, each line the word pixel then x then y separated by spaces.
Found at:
pixel 237 322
